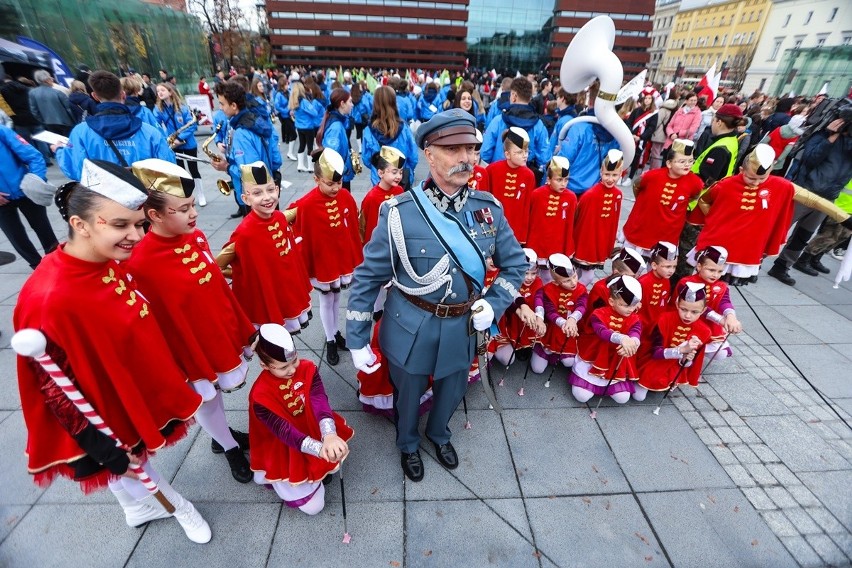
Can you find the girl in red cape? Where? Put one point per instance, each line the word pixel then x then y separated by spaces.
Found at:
pixel 102 334
pixel 297 440
pixel 201 319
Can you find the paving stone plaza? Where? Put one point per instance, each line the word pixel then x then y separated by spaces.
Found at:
pixel 752 469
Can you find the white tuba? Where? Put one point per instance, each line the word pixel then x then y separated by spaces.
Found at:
pixel 589 56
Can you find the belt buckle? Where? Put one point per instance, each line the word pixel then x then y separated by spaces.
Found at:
pixel 445 308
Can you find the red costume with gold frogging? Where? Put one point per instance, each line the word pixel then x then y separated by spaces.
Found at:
pixel 552 222
pixel 369 217
pixel 656 372
pixel 597 224
pixel 659 212
pixel 513 188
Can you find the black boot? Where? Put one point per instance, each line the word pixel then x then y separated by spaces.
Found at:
pixel 779 272
pixel 340 341
pixel 241 437
pixel 331 353
pixel 240 469
pixel 803 264
pixel 817 265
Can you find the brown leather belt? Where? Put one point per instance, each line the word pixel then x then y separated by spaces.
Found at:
pixel 441 310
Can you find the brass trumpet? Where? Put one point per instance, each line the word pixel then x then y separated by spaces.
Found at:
pixel 223 185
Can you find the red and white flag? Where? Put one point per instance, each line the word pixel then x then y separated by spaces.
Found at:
pixel 708 86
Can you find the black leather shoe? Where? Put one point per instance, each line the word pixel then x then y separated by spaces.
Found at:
pixel 326 480
pixel 780 273
pixel 446 455
pixel 412 466
pixel 240 469
pixel 805 267
pixel 524 354
pixel 241 437
pixel 340 341
pixel 816 264
pixel 331 353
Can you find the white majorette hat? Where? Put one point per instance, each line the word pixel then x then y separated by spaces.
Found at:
pixel 719 255
pixel 518 137
pixel 613 160
pixel 113 182
pixel 561 265
pixel 664 249
pixel 762 158
pixel 631 258
pixel 532 258
pixel 693 292
pixel 627 288
pixel 276 342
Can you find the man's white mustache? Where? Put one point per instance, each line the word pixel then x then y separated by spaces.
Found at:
pixel 461 168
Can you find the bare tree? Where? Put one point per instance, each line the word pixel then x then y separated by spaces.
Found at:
pixel 738 66
pixel 223 19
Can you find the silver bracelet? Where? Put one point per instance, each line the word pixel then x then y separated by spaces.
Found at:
pixel 327 427
pixel 311 446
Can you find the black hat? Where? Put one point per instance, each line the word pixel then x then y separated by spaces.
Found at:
pixel 719 255
pixel 627 288
pixel 632 259
pixel 561 265
pixel 276 342
pixel 693 292
pixel 454 126
pixel 664 249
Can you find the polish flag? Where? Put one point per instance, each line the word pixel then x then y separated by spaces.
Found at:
pixel 708 85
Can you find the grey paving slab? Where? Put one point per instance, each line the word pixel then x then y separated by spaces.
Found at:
pixel 463 533
pixel 60 536
pixel 369 475
pixel 510 512
pixel 241 536
pixel 659 453
pixel 543 441
pixel 17 487
pixel 696 526
pixel 10 516
pixel 820 321
pixel 557 395
pixel 746 396
pixel 773 293
pixel 13 278
pixel 10 398
pixel 827 369
pixel 606 530
pixel 4 414
pixel 376 530
pixel 786 332
pixel 795 444
pixel 166 462
pixel 832 489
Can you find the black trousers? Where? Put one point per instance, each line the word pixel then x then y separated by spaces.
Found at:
pixel 12 226
pixel 306 140
pixel 192 166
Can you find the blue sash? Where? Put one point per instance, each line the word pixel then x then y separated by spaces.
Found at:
pixel 453 237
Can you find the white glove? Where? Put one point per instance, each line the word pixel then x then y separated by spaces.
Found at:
pixel 364 359
pixel 483 315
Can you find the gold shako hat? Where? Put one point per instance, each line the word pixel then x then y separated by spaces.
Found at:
pixel 761 158
pixel 255 173
pixel 165 177
pixel 330 164
pixel 392 156
pixel 682 146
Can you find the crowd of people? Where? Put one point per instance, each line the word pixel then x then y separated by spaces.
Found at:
pixel 497 252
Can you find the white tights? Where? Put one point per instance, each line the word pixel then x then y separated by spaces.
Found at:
pixel 211 417
pixel 583 395
pixel 504 354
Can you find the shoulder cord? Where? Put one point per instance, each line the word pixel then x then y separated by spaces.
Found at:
pixel 431 281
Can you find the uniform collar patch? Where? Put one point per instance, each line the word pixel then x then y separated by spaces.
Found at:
pixel 442 201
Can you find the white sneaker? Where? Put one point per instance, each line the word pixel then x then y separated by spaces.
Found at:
pixel 144 511
pixel 291 146
pixel 838 253
pixel 193 524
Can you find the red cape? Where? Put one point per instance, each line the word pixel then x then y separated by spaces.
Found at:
pixel 268 454
pixel 331 245
pixel 596 224
pixel 656 293
pixel 512 187
pixel 659 212
pixel 715 292
pixel 93 314
pixel 199 315
pixel 602 354
pixel 566 302
pixel 477 179
pixel 370 207
pixel 748 221
pixel 510 325
pixel 552 222
pixel 269 277
pixel 656 374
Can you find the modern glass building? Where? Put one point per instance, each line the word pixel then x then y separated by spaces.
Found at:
pixel 506 35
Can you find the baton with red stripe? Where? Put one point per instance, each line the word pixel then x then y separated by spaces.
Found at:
pixel 32 343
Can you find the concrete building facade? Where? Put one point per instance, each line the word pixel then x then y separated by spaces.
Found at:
pixel 664 17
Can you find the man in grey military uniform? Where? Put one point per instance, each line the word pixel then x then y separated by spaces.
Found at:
pixel 431 244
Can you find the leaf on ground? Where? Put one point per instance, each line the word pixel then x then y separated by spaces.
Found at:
pixel 608 505
pixel 643 538
pixel 427 553
pixel 394 563
pixel 711 499
pixel 649 558
pixel 736 509
pixel 536 553
pixel 587 501
pixel 439 513
pixel 374 491
pixel 754 542
pixel 594 468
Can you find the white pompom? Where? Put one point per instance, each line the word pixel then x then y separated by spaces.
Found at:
pixel 29 343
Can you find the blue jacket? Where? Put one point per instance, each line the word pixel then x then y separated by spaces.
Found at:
pixel 253 139
pixel 140 111
pixel 320 108
pixel 18 158
pixel 306 114
pixel 406 110
pixel 404 142
pixel 585 147
pixel 336 138
pixel 362 112
pixel 281 101
pixel 563 116
pixel 410 337
pixel 427 105
pixel 171 120
pixel 219 117
pixel 133 140
pixel 497 107
pixel 522 116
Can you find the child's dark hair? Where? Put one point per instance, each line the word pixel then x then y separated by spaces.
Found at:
pixel 106 85
pixel 380 163
pixel 156 201
pixel 75 199
pixel 621 267
pixel 233 93
pixel 264 357
pixel 315 155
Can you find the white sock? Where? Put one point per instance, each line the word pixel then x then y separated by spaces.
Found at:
pixel 620 397
pixel 211 417
pixel 538 364
pixel 317 502
pixel 504 354
pixel 641 393
pixel 581 394
pixel 328 316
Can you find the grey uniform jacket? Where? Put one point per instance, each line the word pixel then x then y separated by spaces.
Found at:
pixel 409 336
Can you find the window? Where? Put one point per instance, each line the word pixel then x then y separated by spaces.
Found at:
pixel 724 39
pixel 776 48
pixel 797 43
pixel 750 38
pixel 847 38
pixel 808 18
pixel 833 13
pixel 786 21
pixel 821 40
